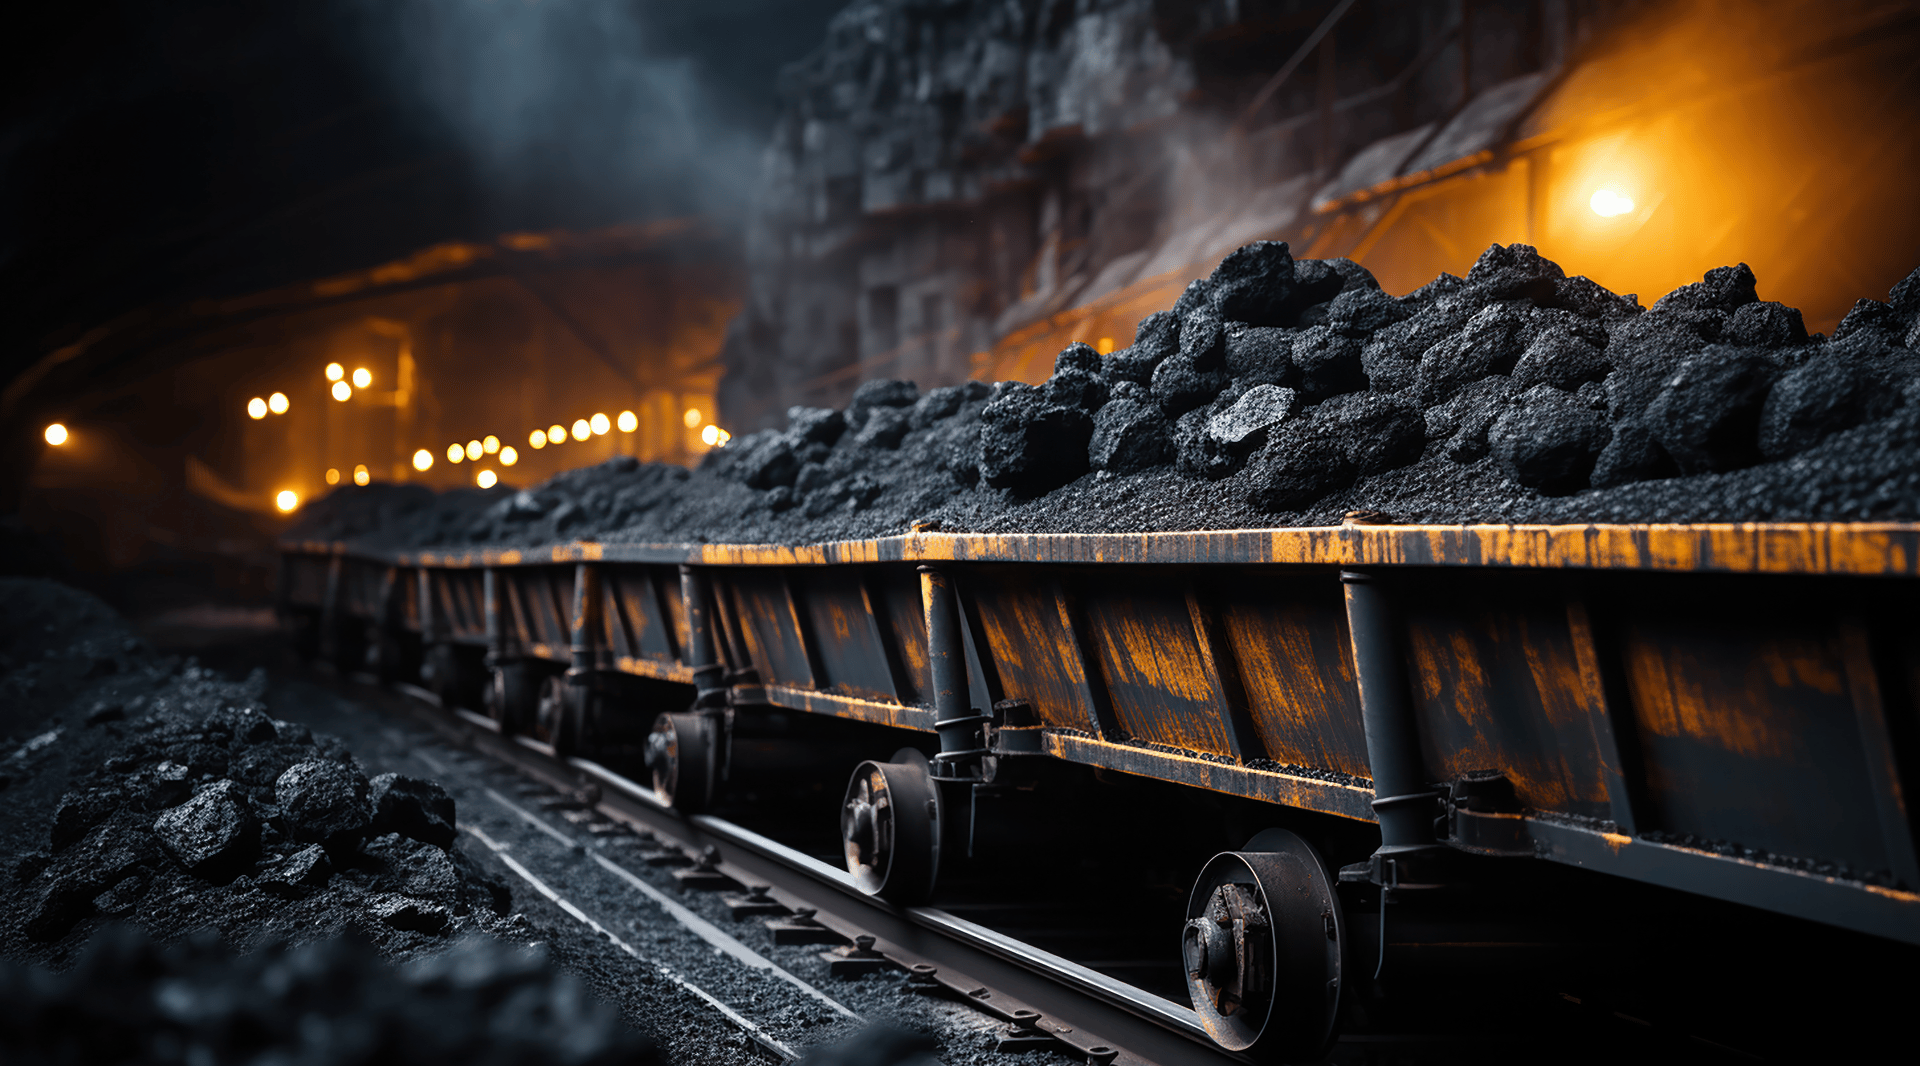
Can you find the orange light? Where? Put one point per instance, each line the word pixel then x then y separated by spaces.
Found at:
pixel 582 429
pixel 1610 204
pixel 56 434
pixel 537 439
pixel 486 479
pixel 1105 347
pixel 423 460
pixel 599 425
pixel 335 371
pixel 361 475
pixel 628 422
pixel 691 417
pixel 362 378
pixel 508 456
pixel 256 408
pixel 474 450
pixel 287 500
pixel 277 403
pixel 556 434
pixel 455 453
pixel 333 476
pixel 715 437
pixel 490 445
pixel 341 392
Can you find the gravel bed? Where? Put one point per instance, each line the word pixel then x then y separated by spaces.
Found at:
pixel 1283 393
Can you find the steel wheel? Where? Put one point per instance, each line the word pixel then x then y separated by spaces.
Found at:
pixel 889 826
pixel 680 756
pixel 513 696
pixel 558 715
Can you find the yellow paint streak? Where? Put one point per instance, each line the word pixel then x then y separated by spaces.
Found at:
pixel 1616 841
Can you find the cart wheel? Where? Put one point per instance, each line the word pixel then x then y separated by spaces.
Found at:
pixel 513 697
pixel 559 717
pixel 890 827
pixel 681 756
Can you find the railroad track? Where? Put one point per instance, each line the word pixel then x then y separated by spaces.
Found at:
pixel 1035 999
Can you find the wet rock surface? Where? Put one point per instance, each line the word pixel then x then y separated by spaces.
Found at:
pixel 1514 394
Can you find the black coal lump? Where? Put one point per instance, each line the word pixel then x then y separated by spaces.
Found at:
pixel 1632 454
pixel 1197 373
pixel 1839 386
pixel 413 807
pixel 1461 424
pixel 214 835
pixel 1559 358
pixel 1764 324
pixel 1707 416
pixel 1549 440
pixel 884 428
pixel 1030 445
pixel 1255 285
pixel 1360 312
pixel 1589 299
pixel 1156 338
pixel 1076 380
pixel 1262 354
pixel 325 801
pixel 1245 425
pixel 880 392
pixel 815 425
pixel 1514 271
pixel 1380 433
pixel 1297 467
pixel 937 405
pixel 1491 342
pixel 1329 364
pixel 1444 285
pixel 1645 351
pixel 1726 288
pixel 1130 432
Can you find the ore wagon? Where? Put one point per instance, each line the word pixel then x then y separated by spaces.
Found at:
pixel 1728 710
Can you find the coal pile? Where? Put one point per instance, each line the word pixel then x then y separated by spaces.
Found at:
pixel 337 1002
pixel 151 791
pixel 1284 393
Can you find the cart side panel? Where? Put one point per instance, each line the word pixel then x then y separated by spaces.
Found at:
pixel 1289 636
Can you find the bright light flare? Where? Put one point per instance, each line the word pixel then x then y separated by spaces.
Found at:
pixel 582 429
pixel 333 476
pixel 486 479
pixel 599 425
pixel 537 439
pixel 287 501
pixel 1610 204
pixel 342 392
pixel 556 434
pixel 508 456
pixel 361 475
pixel 423 460
pixel 628 422
pixel 256 408
pixel 474 450
pixel 715 437
pixel 277 403
pixel 362 377
pixel 335 371
pixel 691 417
pixel 455 453
pixel 490 444
pixel 56 434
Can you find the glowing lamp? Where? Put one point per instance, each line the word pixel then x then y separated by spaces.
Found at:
pixel 455 453
pixel 486 479
pixel 1609 204
pixel 691 417
pixel 715 437
pixel 333 476
pixel 508 456
pixel 474 450
pixel 599 425
pixel 423 460
pixel 361 475
pixel 537 439
pixel 1105 347
pixel 490 444
pixel 256 408
pixel 287 500
pixel 362 378
pixel 628 421
pixel 335 371
pixel 56 434
pixel 341 391
pixel 277 403
pixel 556 434
pixel 581 429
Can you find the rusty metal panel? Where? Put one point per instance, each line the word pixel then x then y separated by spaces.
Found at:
pixel 1030 641
pixel 1155 671
pixel 769 623
pixel 1747 728
pixel 893 595
pixel 849 653
pixel 459 606
pixel 1498 685
pixel 538 604
pixel 1289 636
pixel 637 627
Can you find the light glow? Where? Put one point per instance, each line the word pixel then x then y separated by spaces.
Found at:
pixel 556 434
pixel 361 475
pixel 287 501
pixel 691 417
pixel 333 476
pixel 342 392
pixel 277 403
pixel 256 408
pixel 362 377
pixel 56 434
pixel 537 439
pixel 455 453
pixel 628 422
pixel 581 429
pixel 474 450
pixel 599 425
pixel 335 371
pixel 490 444
pixel 423 460
pixel 508 456
pixel 715 437
pixel 1610 204
pixel 486 479
pixel 1105 347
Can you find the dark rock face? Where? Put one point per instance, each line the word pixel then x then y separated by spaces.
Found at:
pixel 1255 285
pixel 299 873
pixel 416 809
pixel 325 802
pixel 1329 364
pixel 1129 435
pixel 1707 417
pixel 1030 445
pixel 1725 288
pixel 879 393
pixel 213 834
pixel 1550 440
pixel 1559 358
pixel 1244 426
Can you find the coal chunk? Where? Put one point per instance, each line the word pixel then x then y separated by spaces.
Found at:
pixel 413 807
pixel 1029 445
pixel 1261 354
pixel 1129 435
pixel 1561 359
pixel 1295 470
pixel 1631 455
pixel 326 802
pixel 1645 352
pixel 1549 441
pixel 1841 386
pixel 940 404
pixel 1076 380
pixel 1707 417
pixel 1329 364
pixel 1361 312
pixel 1255 285
pixel 1726 288
pixel 299 873
pixel 880 392
pixel 885 427
pixel 1380 433
pixel 1514 271
pixel 815 425
pixel 1590 299
pixel 68 885
pixel 1491 342
pixel 212 835
pixel 1460 426
pixel 80 811
pixel 1156 338
pixel 1764 324
pixel 411 915
pixel 1244 426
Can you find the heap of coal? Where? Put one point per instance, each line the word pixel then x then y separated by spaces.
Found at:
pixel 1284 393
pixel 482 1002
